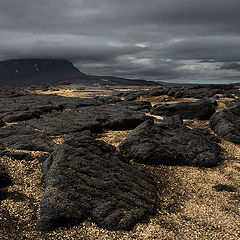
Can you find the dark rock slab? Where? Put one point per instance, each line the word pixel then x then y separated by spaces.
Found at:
pixel 109 116
pixel 170 143
pixel 143 106
pixel 108 99
pixel 202 109
pixel 226 124
pixel 19 136
pixel 194 92
pixel 42 104
pixel 118 117
pixel 158 91
pixel 224 187
pixel 20 116
pixel 57 123
pixel 5 179
pixel 88 178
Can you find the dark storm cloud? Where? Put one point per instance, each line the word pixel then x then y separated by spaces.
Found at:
pixel 154 39
pixel 230 66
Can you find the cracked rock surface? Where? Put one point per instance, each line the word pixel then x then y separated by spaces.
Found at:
pixel 171 143
pixel 85 177
pixel 202 109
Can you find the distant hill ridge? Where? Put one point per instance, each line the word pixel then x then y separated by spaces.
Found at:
pixel 26 72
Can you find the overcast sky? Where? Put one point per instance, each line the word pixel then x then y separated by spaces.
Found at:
pixel 169 40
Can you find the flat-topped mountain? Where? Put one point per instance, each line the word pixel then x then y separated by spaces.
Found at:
pixel 36 71
pixel 54 71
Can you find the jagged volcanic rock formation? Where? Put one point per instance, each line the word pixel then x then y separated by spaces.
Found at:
pixel 85 177
pixel 171 143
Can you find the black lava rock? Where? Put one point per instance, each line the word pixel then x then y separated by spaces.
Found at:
pixel 171 143
pixel 85 177
pixel 202 109
pixel 226 124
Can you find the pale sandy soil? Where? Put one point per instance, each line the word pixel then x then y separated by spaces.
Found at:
pixel 189 208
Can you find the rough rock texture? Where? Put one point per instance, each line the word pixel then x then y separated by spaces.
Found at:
pixel 194 92
pixel 57 123
pixel 158 91
pixel 5 180
pixel 92 118
pixel 170 143
pixel 202 109
pixel 19 136
pixel 30 106
pixel 85 177
pixel 143 106
pixel 226 124
pixel 108 99
pixel 20 116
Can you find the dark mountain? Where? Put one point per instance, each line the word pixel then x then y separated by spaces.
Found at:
pixel 54 71
pixel 36 71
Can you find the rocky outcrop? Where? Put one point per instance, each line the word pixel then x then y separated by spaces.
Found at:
pixel 94 118
pixel 171 143
pixel 88 178
pixel 226 123
pixel 194 92
pixel 202 109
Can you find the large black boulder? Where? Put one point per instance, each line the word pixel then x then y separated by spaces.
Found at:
pixel 202 109
pixel 226 123
pixel 85 177
pixel 171 143
pixel 194 92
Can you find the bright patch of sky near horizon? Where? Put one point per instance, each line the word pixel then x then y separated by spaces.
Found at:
pixel 157 40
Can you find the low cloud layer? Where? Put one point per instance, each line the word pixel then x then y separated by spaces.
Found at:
pixel 161 40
